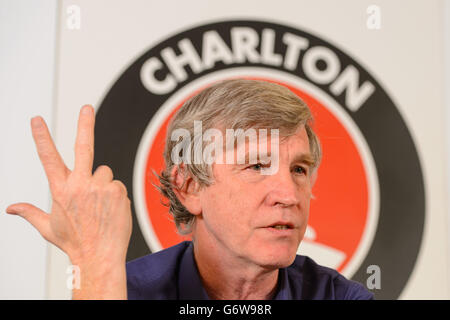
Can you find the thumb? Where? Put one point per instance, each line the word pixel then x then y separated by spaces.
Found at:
pixel 38 218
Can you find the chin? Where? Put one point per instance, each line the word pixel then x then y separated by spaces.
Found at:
pixel 277 257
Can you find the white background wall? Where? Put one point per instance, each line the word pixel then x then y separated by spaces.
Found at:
pixel 27 59
pixel 27 51
pixel 446 26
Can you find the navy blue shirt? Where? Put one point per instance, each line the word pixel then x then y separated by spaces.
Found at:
pixel 172 274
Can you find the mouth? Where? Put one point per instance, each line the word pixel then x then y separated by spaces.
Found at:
pixel 284 230
pixel 281 226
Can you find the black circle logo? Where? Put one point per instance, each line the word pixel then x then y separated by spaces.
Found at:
pixel 144 96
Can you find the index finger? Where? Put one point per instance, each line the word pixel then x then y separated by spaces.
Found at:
pixel 84 144
pixel 51 160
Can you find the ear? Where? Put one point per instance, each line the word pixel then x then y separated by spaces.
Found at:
pixel 186 189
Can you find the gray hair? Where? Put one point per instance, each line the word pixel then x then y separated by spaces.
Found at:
pixel 232 104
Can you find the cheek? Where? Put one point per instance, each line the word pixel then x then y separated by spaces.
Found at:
pixel 224 209
pixel 216 205
pixel 306 194
pixel 227 194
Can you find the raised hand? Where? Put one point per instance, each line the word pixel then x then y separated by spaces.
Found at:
pixel 90 218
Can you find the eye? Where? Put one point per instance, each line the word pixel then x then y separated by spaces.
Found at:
pixel 256 167
pixel 300 170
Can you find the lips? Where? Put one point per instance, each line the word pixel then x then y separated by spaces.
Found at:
pixel 281 229
pixel 281 225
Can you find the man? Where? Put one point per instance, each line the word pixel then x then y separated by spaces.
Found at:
pixel 245 201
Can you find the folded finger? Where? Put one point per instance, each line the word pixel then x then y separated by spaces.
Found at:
pixel 103 174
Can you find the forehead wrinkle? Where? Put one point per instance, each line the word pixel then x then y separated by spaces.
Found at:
pixel 305 157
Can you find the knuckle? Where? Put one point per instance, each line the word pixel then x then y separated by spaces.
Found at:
pixel 118 187
pixel 94 188
pixel 112 189
pixel 75 190
pixel 104 168
pixel 104 171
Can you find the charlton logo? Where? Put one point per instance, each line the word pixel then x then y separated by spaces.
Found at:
pixel 370 180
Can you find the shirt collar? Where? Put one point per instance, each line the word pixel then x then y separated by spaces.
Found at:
pixel 189 284
pixel 191 288
pixel 284 289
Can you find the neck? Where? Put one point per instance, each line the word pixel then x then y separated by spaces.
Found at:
pixel 229 278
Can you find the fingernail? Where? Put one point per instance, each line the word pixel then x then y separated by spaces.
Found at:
pixel 36 121
pixel 87 109
pixel 10 211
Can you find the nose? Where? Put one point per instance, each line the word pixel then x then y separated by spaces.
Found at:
pixel 285 191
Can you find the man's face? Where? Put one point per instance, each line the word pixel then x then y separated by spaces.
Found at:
pixel 259 219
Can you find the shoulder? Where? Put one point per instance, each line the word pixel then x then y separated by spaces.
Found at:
pixel 154 276
pixel 313 281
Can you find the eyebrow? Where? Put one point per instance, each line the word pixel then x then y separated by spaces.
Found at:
pixel 305 158
pixel 258 157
